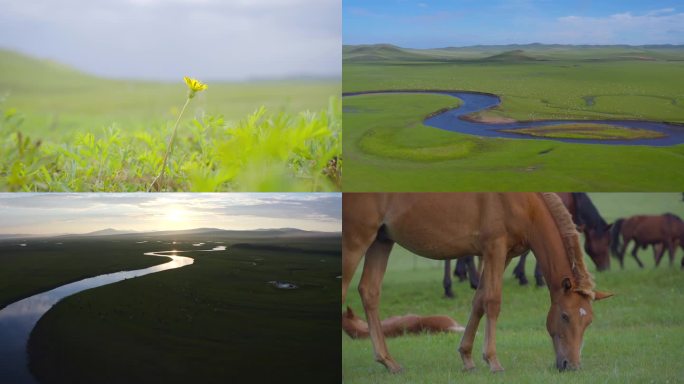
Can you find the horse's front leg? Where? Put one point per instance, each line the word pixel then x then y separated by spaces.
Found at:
pixel 495 263
pixel 468 339
pixel 446 282
pixel 487 300
pixel 369 287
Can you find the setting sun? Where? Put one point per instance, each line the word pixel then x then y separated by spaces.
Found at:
pixel 176 215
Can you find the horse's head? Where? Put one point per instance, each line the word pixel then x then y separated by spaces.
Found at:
pixel 568 318
pixel 597 246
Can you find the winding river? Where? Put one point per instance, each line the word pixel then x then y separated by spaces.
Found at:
pixel 452 120
pixel 18 319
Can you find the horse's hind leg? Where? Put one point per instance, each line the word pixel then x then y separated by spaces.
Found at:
pixel 538 276
pixel 369 287
pixel 354 246
pixel 461 268
pixel 519 270
pixel 473 273
pixel 634 254
pixel 446 281
pixel 621 252
pixel 658 251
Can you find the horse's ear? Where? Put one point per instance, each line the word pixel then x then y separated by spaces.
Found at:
pixel 598 295
pixel 567 284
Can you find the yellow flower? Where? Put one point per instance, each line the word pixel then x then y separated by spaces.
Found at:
pixel 194 85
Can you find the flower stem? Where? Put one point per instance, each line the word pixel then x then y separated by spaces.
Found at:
pixel 159 180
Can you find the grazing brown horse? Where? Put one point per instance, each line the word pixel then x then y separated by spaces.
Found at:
pixel 496 226
pixel 645 230
pixel 394 326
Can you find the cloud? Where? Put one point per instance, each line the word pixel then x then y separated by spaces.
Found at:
pixel 59 213
pixel 237 39
pixel 653 27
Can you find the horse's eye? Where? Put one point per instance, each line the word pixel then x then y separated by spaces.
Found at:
pixel 565 316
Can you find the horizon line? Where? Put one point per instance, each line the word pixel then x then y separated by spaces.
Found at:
pixel 127 232
pixel 532 43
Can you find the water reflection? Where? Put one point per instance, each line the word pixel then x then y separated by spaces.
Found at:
pixel 283 284
pixel 18 319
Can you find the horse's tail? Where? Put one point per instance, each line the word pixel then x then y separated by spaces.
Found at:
pixel 615 236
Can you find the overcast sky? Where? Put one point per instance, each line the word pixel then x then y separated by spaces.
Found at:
pixel 433 24
pixel 59 213
pixel 167 39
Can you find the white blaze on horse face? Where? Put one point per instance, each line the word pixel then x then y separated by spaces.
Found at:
pixel 582 311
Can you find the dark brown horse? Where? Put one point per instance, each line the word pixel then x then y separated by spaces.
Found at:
pixel 659 231
pixel 465 269
pixel 596 235
pixel 495 226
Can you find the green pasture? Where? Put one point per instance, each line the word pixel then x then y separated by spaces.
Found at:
pixel 57 100
pixel 44 264
pixel 387 147
pixel 636 336
pixel 63 130
pixel 588 131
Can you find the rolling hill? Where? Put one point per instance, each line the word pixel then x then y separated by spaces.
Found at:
pixel 512 53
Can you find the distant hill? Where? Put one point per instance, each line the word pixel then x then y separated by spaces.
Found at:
pixel 511 56
pixel 379 52
pixel 107 232
pixel 20 70
pixel 256 233
pixel 512 53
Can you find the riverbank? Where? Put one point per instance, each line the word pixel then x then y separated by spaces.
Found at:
pixel 389 147
pixel 471 118
pixel 46 263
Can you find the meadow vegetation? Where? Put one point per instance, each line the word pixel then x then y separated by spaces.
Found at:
pixel 192 323
pixel 535 83
pixel 636 336
pixel 62 130
pixel 44 264
pixel 587 131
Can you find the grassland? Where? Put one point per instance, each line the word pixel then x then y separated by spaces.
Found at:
pixel 43 264
pixel 588 131
pixel 544 83
pixel 217 320
pixel 636 335
pixel 61 129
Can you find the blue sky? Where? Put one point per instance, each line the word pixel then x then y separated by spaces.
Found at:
pixel 167 39
pixel 432 24
pixel 59 213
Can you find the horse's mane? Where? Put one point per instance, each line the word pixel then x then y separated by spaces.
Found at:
pixel 672 216
pixel 584 282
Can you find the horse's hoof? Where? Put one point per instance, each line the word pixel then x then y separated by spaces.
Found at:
pixel 395 369
pixel 497 369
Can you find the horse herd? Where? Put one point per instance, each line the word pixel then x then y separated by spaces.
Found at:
pixel 497 227
pixel 662 232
